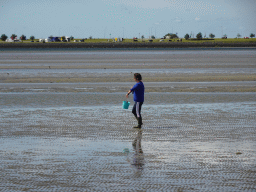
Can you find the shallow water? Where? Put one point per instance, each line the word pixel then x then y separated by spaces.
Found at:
pixel 84 99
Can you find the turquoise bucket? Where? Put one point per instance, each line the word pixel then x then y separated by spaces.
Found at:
pixel 126 104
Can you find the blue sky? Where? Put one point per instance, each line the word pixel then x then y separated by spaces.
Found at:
pixel 126 18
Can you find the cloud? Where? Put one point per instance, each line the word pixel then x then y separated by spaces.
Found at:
pixel 178 20
pixel 148 4
pixel 158 22
pixel 178 6
pixel 199 20
pixel 125 9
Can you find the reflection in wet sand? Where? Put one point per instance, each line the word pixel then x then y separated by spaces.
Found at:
pixel 138 157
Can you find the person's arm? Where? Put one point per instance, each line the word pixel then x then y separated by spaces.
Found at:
pixel 131 90
pixel 127 95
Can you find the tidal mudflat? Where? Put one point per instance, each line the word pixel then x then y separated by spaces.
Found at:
pixel 75 136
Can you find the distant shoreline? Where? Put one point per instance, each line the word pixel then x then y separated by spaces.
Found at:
pixel 126 45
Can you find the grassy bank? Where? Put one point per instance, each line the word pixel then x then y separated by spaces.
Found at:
pixel 129 43
pixel 217 40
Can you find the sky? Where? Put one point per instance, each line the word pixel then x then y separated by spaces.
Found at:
pixel 127 18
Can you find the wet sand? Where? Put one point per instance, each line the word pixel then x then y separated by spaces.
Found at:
pixel 83 141
pixel 196 136
pixel 100 66
pixel 113 87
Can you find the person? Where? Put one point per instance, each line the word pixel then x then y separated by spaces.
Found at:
pixel 138 97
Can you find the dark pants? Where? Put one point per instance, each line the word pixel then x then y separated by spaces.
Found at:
pixel 137 108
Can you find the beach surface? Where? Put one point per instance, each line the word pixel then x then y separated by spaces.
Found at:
pixel 62 126
pixel 163 68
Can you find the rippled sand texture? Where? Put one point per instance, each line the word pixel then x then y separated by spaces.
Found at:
pixel 217 70
pixel 118 66
pixel 76 136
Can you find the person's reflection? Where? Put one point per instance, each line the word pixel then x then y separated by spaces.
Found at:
pixel 138 157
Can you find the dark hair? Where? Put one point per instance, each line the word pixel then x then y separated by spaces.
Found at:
pixel 137 76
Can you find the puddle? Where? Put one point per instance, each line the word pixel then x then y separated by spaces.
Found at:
pixel 43 148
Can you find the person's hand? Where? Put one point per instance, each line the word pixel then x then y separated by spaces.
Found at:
pixel 127 95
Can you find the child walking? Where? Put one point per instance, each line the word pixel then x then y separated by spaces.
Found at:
pixel 138 97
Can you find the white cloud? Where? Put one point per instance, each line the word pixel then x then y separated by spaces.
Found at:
pixel 177 19
pixel 148 4
pixel 158 22
pixel 197 18
pixel 184 6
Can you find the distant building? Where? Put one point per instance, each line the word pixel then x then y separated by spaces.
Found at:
pixel 118 39
pixel 9 40
pixel 68 39
pixel 48 40
pixel 53 39
pixel 57 39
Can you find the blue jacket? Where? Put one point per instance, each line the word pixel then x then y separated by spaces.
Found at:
pixel 138 92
